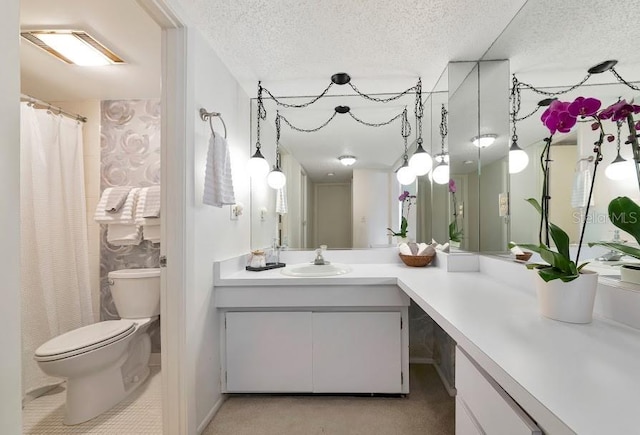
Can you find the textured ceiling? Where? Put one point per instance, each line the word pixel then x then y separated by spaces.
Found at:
pixel 119 24
pixel 283 43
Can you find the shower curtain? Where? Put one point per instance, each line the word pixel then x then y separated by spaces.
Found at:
pixel 56 293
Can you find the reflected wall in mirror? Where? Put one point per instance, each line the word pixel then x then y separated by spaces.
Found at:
pixel 478 145
pixel 326 202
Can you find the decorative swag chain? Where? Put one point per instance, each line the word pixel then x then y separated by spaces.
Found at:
pixel 370 124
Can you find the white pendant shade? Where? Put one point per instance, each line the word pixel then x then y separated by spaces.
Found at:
pixel 518 160
pixel 406 175
pixel 276 179
pixel 620 170
pixel 441 174
pixel 420 162
pixel 258 166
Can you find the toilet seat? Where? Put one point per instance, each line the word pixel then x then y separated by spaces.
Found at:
pixel 85 339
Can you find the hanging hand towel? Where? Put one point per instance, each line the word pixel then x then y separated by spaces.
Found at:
pixel 124 235
pixel 281 200
pixel 152 203
pixel 218 180
pixel 117 198
pixel 581 184
pixel 123 216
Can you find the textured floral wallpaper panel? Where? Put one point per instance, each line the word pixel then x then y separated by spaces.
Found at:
pixel 129 156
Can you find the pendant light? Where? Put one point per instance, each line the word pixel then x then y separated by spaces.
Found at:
pixel 405 174
pixel 620 168
pixel 258 167
pixel 518 158
pixel 441 172
pixel 276 178
pixel 420 162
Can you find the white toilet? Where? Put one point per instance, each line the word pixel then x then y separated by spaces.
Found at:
pixel 106 361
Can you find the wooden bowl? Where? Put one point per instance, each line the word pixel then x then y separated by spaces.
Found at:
pixel 524 257
pixel 416 260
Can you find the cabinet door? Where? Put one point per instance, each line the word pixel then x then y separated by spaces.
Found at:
pixel 357 352
pixel 268 352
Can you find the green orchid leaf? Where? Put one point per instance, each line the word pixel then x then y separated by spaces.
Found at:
pixel 534 202
pixel 555 259
pixel 625 249
pixel 560 238
pixel 582 265
pixel 551 273
pixel 625 214
pixel 403 225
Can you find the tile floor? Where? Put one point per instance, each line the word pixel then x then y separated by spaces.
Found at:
pixel 428 410
pixel 138 414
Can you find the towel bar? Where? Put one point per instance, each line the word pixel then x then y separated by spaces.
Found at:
pixel 206 116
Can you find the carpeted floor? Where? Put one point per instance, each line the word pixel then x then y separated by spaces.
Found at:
pixel 428 410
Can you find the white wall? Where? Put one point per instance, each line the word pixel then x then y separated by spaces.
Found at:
pixel 211 234
pixel 372 208
pixel 10 368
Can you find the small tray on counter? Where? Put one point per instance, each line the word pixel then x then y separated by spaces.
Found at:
pixel 267 267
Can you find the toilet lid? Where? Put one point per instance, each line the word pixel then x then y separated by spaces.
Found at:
pixel 85 339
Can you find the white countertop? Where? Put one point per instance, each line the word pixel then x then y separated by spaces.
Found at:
pixel 580 378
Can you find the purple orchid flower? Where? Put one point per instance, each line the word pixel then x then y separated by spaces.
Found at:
pixel 404 195
pixel 452 186
pixel 582 106
pixel 618 111
pixel 558 118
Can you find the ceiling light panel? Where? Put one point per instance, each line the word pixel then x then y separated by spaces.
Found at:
pixel 73 47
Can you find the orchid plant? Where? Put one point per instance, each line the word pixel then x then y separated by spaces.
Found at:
pixel 406 199
pixel 561 117
pixel 455 233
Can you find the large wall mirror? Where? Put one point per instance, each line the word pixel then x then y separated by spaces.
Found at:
pixel 327 202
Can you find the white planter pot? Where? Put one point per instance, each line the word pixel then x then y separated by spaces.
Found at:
pixel 630 273
pixel 568 301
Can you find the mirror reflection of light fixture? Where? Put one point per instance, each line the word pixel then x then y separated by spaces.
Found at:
pixel 276 178
pixel 620 168
pixel 347 160
pixel 518 158
pixel 484 140
pixel 258 167
pixel 441 172
pixel 420 162
pixel 405 174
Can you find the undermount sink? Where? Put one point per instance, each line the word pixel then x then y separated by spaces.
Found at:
pixel 311 270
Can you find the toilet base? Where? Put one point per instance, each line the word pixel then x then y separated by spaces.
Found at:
pixel 90 396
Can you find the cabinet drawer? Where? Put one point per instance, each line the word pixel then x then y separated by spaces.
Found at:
pixel 465 422
pixel 494 410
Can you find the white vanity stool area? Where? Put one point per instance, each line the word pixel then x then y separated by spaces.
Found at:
pixel 516 371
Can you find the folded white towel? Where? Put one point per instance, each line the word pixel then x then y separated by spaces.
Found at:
pixel 123 216
pixel 151 233
pixel 281 200
pixel 142 200
pixel 152 203
pixel 421 248
pixel 516 250
pixel 218 180
pixel 119 234
pixel 404 249
pixel 581 185
pixel 116 199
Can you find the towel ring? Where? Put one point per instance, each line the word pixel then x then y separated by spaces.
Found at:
pixel 206 116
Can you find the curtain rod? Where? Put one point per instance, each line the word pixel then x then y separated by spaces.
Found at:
pixel 52 108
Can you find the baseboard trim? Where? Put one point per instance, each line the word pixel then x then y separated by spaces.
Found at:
pixel 420 360
pixel 203 425
pixel 155 360
pixel 451 390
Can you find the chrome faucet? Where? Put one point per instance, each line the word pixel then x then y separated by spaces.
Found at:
pixel 319 261
pixel 612 255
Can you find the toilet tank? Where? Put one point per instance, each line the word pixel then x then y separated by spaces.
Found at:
pixel 136 292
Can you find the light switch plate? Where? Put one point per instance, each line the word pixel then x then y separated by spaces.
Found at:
pixel 503 204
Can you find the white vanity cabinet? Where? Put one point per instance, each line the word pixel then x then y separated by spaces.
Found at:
pixel 483 407
pixel 358 343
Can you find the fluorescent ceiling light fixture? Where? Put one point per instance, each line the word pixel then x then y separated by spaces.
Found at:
pixel 347 160
pixel 73 47
pixel 484 140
